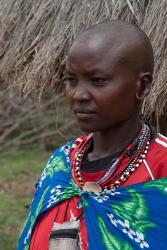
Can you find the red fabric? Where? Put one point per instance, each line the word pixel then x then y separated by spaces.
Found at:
pixel 40 238
pixel 156 161
pixel 42 230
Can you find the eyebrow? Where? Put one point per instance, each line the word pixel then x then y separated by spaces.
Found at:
pixel 88 72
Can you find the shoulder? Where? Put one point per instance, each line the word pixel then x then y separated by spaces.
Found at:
pixel 157 156
pixel 158 148
pixel 161 142
pixel 70 146
pixel 59 160
pixel 67 149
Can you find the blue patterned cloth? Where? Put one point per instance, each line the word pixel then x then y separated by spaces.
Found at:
pixel 125 218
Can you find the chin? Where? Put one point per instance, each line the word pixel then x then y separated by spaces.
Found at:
pixel 89 129
pixel 86 128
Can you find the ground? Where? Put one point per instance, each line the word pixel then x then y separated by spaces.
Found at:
pixel 18 173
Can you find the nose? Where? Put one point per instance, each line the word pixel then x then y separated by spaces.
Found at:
pixel 81 93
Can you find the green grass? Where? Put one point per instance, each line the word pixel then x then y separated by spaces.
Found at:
pixel 18 172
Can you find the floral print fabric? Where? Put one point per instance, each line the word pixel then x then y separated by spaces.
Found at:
pixel 132 217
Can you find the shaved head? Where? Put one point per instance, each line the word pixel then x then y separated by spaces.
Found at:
pixel 109 73
pixel 120 40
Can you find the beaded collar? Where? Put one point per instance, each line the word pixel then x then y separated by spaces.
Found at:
pixel 140 144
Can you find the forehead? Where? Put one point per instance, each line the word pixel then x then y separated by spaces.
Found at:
pixel 98 53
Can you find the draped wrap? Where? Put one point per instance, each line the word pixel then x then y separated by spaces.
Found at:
pixel 124 218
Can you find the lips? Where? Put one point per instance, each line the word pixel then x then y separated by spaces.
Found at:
pixel 84 113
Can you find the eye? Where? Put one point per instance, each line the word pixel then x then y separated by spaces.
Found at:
pixel 98 81
pixel 70 81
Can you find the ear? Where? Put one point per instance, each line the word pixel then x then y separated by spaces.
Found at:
pixel 143 85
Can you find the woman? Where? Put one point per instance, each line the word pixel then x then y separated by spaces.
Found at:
pixel 99 191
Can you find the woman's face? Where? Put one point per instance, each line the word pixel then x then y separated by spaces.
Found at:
pixel 100 87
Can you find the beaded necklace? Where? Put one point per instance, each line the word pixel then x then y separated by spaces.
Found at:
pixel 140 144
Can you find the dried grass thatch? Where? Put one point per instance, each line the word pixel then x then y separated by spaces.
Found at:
pixel 35 36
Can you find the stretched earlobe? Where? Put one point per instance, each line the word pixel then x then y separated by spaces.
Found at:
pixel 143 85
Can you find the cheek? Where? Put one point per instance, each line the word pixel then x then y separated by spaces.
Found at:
pixel 69 96
pixel 119 103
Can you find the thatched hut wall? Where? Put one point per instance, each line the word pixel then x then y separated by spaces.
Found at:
pixel 35 36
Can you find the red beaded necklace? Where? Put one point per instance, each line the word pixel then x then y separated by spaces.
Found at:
pixel 141 145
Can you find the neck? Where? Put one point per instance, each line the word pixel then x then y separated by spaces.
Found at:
pixel 114 139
